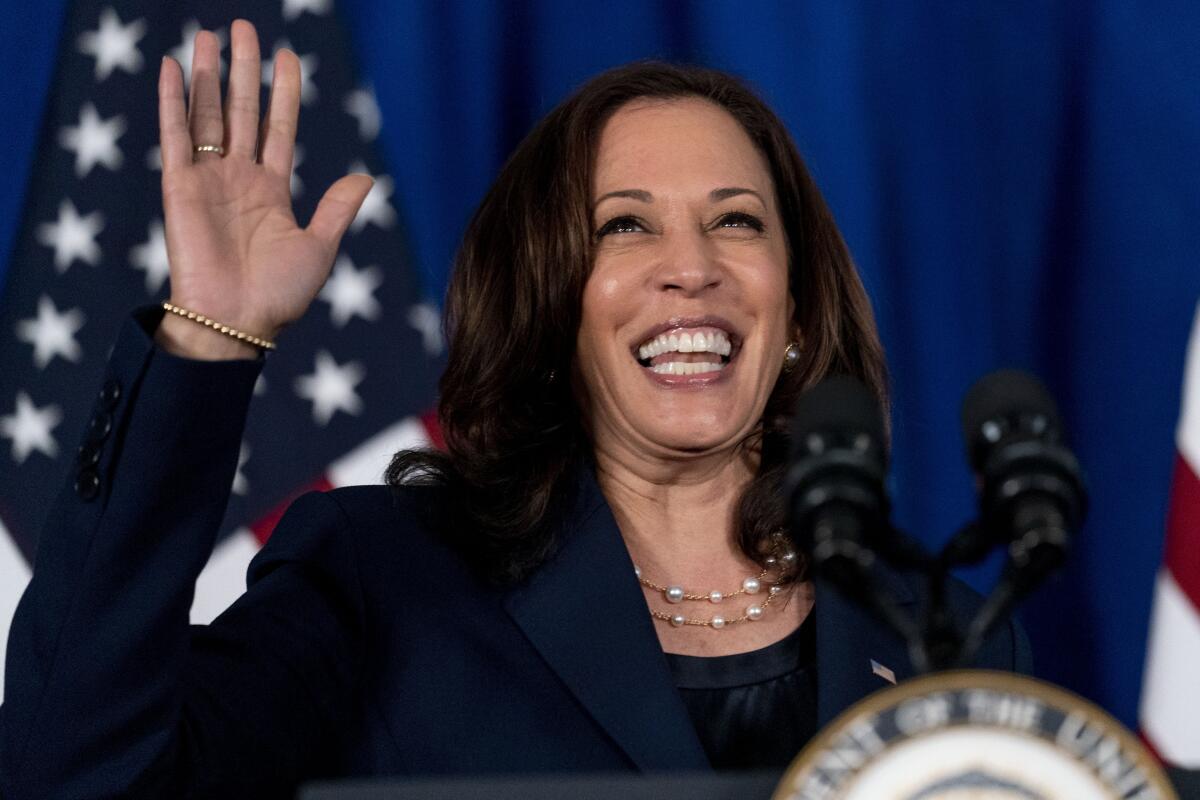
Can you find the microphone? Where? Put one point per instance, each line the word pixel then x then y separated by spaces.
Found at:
pixel 1031 489
pixel 835 477
pixel 834 487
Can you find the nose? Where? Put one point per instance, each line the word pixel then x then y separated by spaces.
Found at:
pixel 688 265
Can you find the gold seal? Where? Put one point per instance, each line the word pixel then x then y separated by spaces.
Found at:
pixel 974 735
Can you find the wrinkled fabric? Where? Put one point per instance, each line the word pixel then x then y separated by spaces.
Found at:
pixel 753 710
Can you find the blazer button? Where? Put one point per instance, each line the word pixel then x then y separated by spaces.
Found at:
pixel 110 394
pixel 88 455
pixel 99 427
pixel 87 484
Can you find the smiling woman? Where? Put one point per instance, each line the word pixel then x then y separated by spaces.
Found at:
pixel 636 328
pixel 682 259
pixel 657 203
pixel 595 575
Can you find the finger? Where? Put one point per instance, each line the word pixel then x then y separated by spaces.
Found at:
pixel 204 111
pixel 337 208
pixel 245 82
pixel 279 128
pixel 173 135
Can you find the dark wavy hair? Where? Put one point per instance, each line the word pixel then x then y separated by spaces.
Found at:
pixel 514 438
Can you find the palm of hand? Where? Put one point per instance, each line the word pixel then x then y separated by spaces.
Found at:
pixel 234 239
pixel 235 251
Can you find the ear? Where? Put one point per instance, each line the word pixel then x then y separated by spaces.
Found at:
pixel 795 332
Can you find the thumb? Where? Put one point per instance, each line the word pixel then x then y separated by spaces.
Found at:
pixel 337 208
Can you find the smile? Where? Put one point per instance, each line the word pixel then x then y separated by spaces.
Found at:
pixel 685 350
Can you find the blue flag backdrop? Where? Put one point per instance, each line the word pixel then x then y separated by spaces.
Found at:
pixel 1019 184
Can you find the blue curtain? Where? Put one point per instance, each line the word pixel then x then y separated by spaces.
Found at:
pixel 1019 184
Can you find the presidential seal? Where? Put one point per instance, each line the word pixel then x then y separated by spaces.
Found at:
pixel 974 735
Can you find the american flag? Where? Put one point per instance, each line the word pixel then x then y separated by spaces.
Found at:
pixel 1170 707
pixel 351 382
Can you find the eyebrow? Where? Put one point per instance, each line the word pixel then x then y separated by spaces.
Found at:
pixel 715 196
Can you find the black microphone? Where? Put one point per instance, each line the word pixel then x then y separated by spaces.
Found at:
pixel 1031 491
pixel 1031 488
pixel 835 478
pixel 835 491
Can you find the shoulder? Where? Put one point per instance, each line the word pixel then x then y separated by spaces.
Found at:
pixel 368 505
pixel 346 525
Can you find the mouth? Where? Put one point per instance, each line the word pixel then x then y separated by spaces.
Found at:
pixel 702 346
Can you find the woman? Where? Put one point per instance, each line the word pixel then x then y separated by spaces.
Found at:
pixel 647 287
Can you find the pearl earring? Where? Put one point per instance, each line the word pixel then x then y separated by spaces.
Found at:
pixel 791 356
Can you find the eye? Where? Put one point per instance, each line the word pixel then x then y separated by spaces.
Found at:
pixel 620 225
pixel 740 219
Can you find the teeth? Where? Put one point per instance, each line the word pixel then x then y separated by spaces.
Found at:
pixel 686 368
pixel 713 341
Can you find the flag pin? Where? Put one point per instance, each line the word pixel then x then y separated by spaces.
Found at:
pixel 883 672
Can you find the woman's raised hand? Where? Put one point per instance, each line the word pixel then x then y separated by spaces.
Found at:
pixel 236 253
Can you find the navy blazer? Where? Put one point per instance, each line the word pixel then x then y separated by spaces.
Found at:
pixel 363 645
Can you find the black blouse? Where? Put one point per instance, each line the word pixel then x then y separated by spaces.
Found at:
pixel 753 710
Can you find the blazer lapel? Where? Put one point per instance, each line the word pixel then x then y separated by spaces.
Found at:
pixel 585 614
pixel 850 643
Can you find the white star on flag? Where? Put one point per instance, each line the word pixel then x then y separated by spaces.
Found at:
pixel 72 236
pixel 308 67
pixel 361 105
pixel 182 52
pixel 93 140
pixel 294 8
pixel 349 291
pixel 52 333
pixel 113 44
pixel 376 207
pixel 151 257
pixel 427 320
pixel 154 159
pixel 331 387
pixel 29 428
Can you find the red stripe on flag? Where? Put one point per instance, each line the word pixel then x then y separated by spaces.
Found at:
pixel 430 420
pixel 1182 554
pixel 265 525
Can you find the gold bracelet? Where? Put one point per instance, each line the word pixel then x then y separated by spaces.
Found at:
pixel 241 336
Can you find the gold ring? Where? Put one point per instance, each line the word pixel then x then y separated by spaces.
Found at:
pixel 209 148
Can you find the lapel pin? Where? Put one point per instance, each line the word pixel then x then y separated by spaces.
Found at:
pixel 883 672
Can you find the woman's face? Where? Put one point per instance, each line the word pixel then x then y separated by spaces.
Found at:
pixel 687 313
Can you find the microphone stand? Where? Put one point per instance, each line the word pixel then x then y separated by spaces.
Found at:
pixel 938 643
pixel 935 642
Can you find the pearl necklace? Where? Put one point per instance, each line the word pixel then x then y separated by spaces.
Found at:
pixel 676 594
pixel 751 585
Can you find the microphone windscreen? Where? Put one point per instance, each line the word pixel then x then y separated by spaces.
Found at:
pixel 1004 394
pixel 841 404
